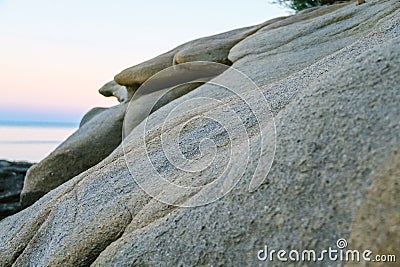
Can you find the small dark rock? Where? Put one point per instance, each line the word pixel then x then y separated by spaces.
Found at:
pixel 12 176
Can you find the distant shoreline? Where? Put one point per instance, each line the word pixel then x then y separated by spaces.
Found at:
pixel 32 141
pixel 39 124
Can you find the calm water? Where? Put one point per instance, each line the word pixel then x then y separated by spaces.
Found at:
pixel 29 141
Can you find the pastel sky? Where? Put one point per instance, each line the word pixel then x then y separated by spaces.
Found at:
pixel 56 54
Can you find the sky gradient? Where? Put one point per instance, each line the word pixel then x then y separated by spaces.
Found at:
pixel 56 54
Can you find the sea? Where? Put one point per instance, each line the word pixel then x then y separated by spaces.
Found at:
pixel 32 141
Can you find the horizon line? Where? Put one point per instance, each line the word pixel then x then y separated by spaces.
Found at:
pixel 33 123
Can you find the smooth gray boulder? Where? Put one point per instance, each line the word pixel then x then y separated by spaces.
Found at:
pixel 113 89
pixel 321 173
pixel 89 145
pixel 91 114
pixel 336 116
pixel 167 86
pixel 153 101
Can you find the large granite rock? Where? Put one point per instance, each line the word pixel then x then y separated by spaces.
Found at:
pixel 331 80
pixel 97 137
pixel 213 48
pixel 11 181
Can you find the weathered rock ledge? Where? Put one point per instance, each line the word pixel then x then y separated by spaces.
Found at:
pixel 328 158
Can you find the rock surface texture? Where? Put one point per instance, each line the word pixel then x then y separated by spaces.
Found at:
pixel 331 78
pixel 99 134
